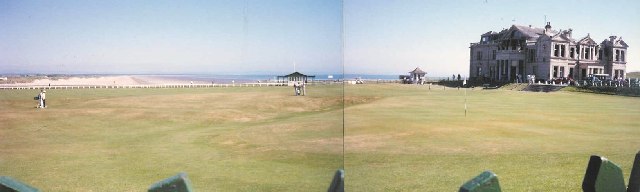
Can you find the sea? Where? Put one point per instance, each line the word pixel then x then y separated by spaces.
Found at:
pixel 223 79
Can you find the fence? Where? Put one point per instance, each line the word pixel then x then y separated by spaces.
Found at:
pixel 157 86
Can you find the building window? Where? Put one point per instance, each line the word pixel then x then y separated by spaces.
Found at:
pixel 600 54
pixel 562 48
pixel 555 71
pixel 572 52
pixel 479 55
pixel 556 50
pixel 493 55
pixel 571 72
pixel 587 53
pixel 561 71
pixel 622 56
pixel 617 55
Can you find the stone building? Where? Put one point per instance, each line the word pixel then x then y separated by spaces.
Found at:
pixel 520 51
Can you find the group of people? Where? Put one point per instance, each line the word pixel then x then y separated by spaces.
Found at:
pixel 42 99
pixel 299 88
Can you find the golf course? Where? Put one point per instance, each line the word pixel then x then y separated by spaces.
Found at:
pixel 225 139
pixel 396 137
pixel 417 138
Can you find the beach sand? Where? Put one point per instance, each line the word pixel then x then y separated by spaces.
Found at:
pixel 105 80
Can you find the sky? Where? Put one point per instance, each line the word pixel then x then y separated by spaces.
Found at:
pixel 171 37
pixel 387 37
pixel 394 37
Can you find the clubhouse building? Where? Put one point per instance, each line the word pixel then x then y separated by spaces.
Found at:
pixel 521 51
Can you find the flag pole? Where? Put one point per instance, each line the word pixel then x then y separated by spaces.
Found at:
pixel 465 97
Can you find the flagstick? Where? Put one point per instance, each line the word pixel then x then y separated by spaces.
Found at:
pixel 465 97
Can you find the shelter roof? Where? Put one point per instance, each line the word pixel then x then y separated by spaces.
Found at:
pixel 298 74
pixel 418 71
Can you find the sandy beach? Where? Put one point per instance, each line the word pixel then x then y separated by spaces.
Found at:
pixel 104 80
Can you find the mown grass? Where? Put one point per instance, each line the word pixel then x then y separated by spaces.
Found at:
pixel 412 138
pixel 398 137
pixel 225 139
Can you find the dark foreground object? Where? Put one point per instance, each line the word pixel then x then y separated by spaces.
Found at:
pixel 487 181
pixel 602 175
pixel 337 184
pixel 177 183
pixel 8 184
pixel 634 178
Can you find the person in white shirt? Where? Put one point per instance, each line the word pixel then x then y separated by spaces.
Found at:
pixel 43 99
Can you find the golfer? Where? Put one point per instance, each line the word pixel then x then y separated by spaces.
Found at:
pixel 43 99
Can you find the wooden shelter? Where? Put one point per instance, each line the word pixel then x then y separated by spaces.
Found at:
pixel 417 75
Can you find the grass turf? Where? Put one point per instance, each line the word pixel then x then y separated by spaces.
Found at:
pixel 412 138
pixel 398 137
pixel 225 139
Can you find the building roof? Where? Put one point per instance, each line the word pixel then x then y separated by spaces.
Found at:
pixel 563 36
pixel 418 71
pixel 298 74
pixel 587 41
pixel 529 32
pixel 615 41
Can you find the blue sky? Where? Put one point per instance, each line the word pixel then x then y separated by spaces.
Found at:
pixel 268 36
pixel 394 37
pixel 212 37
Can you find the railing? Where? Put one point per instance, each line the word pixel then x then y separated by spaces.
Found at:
pixel 9 86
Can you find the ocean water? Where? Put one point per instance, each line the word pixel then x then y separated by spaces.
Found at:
pixel 223 79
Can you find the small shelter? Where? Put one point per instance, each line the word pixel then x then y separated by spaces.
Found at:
pixel 417 75
pixel 295 77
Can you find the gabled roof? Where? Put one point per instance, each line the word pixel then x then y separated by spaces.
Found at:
pixel 418 71
pixel 561 37
pixel 620 43
pixel 615 41
pixel 587 41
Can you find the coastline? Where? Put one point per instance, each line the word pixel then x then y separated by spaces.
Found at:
pixel 122 80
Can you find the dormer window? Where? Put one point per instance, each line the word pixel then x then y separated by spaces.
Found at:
pixel 587 53
pixel 572 52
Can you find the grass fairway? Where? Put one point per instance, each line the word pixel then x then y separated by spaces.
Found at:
pixel 398 137
pixel 225 139
pixel 410 138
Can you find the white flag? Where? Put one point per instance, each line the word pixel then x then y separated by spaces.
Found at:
pixel 464 82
